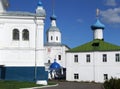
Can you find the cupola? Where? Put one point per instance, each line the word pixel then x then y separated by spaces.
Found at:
pixel 98 28
pixel 40 11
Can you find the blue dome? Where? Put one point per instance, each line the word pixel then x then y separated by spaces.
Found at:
pixel 39 3
pixel 53 17
pixel 55 66
pixel 97 25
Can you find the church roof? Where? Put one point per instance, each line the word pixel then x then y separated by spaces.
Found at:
pixel 53 29
pixel 20 13
pixel 55 66
pixel 96 45
pixel 98 24
pixel 54 44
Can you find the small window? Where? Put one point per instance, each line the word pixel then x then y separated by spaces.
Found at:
pixel 76 58
pixel 25 34
pixel 59 57
pixel 76 76
pixel 105 76
pixel 104 58
pixel 57 38
pixel 16 34
pixel 88 58
pixel 51 37
pixel 117 57
pixel 49 61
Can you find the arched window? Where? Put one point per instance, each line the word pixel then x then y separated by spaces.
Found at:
pixel 57 38
pixel 15 34
pixel 25 34
pixel 51 37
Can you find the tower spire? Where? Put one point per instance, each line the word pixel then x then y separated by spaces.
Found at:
pixel 53 6
pixel 53 17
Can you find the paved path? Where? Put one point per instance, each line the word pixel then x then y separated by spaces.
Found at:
pixel 76 85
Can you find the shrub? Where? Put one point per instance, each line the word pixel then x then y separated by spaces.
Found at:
pixel 113 83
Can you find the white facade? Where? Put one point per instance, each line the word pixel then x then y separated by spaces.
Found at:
pixel 56 52
pixel 23 50
pixel 22 44
pixel 54 37
pixel 94 70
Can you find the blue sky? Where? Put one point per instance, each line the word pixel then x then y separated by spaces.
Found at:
pixel 74 18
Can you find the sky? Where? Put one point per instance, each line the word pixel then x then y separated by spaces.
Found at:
pixel 75 17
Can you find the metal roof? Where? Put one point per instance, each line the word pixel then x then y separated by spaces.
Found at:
pixel 98 24
pixel 20 13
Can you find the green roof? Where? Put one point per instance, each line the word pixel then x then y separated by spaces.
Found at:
pixel 95 45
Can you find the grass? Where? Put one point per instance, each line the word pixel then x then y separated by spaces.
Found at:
pixel 17 85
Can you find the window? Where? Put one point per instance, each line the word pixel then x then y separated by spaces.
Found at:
pixel 49 61
pixel 15 34
pixel 51 37
pixel 104 58
pixel 57 38
pixel 105 76
pixel 59 57
pixel 76 58
pixel 117 57
pixel 76 76
pixel 25 34
pixel 88 58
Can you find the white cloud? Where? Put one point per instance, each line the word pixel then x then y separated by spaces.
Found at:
pixel 111 15
pixel 111 2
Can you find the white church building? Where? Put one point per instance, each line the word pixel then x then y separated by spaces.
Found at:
pixel 25 57
pixel 96 60
pixel 22 44
pixel 23 54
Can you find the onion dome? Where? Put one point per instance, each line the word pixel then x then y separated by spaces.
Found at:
pixel 53 17
pixel 55 66
pixel 39 3
pixel 40 11
pixel 98 25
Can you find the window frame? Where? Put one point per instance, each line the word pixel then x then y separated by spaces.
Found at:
pixel 75 58
pixel 59 57
pixel 105 76
pixel 88 59
pixel 51 38
pixel 25 35
pixel 117 57
pixel 104 57
pixel 16 34
pixel 76 76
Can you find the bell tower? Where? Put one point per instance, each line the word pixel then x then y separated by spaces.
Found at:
pixel 53 33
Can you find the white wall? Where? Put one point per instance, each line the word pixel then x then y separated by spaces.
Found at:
pixel 54 35
pixel 21 53
pixel 94 70
pixel 53 54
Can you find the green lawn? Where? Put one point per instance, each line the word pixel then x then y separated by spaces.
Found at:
pixel 16 85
